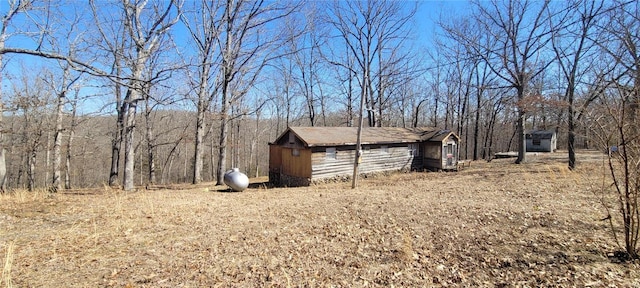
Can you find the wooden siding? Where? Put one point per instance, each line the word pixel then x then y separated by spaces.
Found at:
pixel 275 158
pixel 545 145
pixel 435 155
pixel 299 166
pixel 374 159
pixel 315 158
pixel 290 140
pixel 541 141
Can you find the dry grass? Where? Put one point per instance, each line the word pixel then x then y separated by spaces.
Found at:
pixel 493 224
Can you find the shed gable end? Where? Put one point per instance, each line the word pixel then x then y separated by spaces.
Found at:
pixel 290 140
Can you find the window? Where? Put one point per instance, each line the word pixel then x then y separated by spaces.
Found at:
pixel 536 140
pixel 295 152
pixel 450 150
pixel 331 153
pixel 451 154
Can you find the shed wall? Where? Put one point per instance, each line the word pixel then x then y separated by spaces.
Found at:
pixel 289 168
pixel 437 155
pixel 374 159
pixel 275 158
pixel 546 145
pixel 298 165
pixel 433 155
pixel 541 142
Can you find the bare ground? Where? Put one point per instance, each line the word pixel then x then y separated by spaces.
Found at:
pixel 493 224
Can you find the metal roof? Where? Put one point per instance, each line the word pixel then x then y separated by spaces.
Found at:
pixel 335 136
pixel 542 134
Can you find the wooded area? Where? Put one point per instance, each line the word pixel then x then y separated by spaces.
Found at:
pixel 128 93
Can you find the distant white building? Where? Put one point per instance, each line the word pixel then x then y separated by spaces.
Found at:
pixel 541 141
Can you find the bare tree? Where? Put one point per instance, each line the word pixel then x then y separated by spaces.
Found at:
pixel 66 84
pixel 48 43
pixel 244 54
pixel 62 44
pixel 31 102
pixel 145 26
pixel 156 95
pixel 519 32
pixel 621 42
pixel 373 33
pixel 113 40
pixel 203 24
pixel 459 72
pixel 618 133
pixel 571 45
pixel 303 52
pixel 66 38
pixel 370 31
pixel 150 135
pixel 282 96
pixel 15 7
pixel 618 124
pixel 72 131
pixel 130 47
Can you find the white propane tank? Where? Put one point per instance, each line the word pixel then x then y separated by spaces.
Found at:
pixel 236 180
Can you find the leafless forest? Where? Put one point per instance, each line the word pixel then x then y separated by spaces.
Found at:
pixel 129 93
pixel 100 98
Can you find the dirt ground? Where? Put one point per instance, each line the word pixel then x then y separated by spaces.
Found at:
pixel 493 224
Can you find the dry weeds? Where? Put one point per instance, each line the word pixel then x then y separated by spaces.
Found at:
pixel 493 224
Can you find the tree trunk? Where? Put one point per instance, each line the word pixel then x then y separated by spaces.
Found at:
pixel 224 119
pixel 116 142
pixel 571 137
pixel 212 159
pixel 31 170
pixel 254 141
pixel 236 144
pixel 227 69
pixel 47 161
pixel 203 106
pixel 358 157
pixel 150 145
pixel 72 131
pixel 435 112
pixel 416 116
pixel 222 150
pixel 129 145
pixel 476 126
pixel 520 130
pixel 380 89
pixel 56 183
pixel 350 100
pixel 198 147
pixel 224 130
pixel 3 170
pixel 3 163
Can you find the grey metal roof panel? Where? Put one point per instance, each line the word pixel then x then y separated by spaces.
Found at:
pixel 441 135
pixel 542 134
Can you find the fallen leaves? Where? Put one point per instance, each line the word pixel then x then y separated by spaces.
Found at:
pixel 484 226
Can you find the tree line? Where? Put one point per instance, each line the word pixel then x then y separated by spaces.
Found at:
pixel 128 92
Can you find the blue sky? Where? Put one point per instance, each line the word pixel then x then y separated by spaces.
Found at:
pixel 430 11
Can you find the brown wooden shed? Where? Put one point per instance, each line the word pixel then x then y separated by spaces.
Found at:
pixel 302 155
